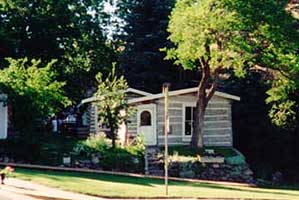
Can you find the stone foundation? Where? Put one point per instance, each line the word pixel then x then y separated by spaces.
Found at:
pixel 192 168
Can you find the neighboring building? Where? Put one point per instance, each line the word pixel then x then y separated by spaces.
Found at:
pixel 3 116
pixel 149 117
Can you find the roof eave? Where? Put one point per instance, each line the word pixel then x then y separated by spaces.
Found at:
pixel 179 92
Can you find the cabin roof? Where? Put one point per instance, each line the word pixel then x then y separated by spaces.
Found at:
pixel 149 96
pixel 180 92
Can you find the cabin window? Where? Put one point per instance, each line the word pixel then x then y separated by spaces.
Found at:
pixel 145 118
pixel 189 120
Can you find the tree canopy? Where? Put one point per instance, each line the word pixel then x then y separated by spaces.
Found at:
pixel 32 91
pixel 70 31
pixel 216 37
pixel 143 33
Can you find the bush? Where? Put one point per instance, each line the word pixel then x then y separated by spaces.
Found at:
pixel 238 159
pixel 120 159
pixel 21 149
pixel 94 144
pixel 128 159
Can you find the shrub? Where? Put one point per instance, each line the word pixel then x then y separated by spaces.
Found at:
pixel 94 144
pixel 120 159
pixel 21 149
pixel 129 158
pixel 238 159
pixel 99 142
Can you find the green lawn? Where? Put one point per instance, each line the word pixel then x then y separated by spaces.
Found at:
pixel 123 186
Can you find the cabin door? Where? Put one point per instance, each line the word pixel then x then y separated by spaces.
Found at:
pixel 146 123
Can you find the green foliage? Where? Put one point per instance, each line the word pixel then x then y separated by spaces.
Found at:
pixel 241 35
pixel 284 109
pixel 267 148
pixel 128 158
pixel 21 149
pixel 238 159
pixel 98 142
pixel 142 33
pixel 70 31
pixel 32 90
pixel 122 160
pixel 111 101
pixel 95 143
pixel 206 30
pixel 137 148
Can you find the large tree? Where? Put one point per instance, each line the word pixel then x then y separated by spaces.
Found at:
pixel 142 33
pixel 215 37
pixel 70 31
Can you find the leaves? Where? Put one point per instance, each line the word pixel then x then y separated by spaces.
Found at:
pixel 33 88
pixel 205 29
pixel 143 33
pixel 238 35
pixel 72 32
pixel 111 102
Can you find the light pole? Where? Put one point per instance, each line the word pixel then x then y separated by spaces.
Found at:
pixel 166 132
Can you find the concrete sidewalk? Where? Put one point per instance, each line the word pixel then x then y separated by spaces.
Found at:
pixel 15 189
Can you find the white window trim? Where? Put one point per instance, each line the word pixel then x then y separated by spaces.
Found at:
pixel 186 138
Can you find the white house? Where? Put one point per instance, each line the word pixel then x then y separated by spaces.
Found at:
pixel 3 116
pixel 149 117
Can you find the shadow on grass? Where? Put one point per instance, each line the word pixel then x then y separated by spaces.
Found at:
pixel 237 188
pixel 69 176
pixel 66 176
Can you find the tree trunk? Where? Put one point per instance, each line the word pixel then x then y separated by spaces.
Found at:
pixel 197 135
pixel 112 129
pixel 201 99
pixel 204 94
pixel 113 137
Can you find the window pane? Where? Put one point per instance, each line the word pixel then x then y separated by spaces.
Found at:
pixel 188 128
pixel 188 113
pixel 145 118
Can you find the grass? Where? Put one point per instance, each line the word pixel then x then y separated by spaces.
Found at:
pixel 123 186
pixel 191 151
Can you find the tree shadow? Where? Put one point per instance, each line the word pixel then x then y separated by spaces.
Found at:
pixel 150 182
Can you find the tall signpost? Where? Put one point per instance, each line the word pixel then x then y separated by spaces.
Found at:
pixel 166 132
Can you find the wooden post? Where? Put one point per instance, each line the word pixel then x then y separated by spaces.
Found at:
pixel 166 132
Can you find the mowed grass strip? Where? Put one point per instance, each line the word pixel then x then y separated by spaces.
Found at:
pixel 105 185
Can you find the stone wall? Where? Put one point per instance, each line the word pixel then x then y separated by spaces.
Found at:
pixel 213 171
pixel 213 167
